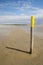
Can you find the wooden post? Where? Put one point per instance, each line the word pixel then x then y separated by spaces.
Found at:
pixel 31 34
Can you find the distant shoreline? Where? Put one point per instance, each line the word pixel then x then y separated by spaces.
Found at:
pixel 23 25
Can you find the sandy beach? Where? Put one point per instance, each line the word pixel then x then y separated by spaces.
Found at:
pixel 15 48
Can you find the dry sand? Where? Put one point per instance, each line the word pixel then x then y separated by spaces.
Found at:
pixel 14 49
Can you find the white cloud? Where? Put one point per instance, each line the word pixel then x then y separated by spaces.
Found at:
pixel 7 18
pixel 17 5
pixel 39 13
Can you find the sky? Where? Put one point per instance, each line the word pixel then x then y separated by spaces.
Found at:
pixel 20 11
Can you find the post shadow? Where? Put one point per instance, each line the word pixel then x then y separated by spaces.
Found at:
pixel 18 50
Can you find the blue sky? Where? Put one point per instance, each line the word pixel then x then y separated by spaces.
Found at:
pixel 20 11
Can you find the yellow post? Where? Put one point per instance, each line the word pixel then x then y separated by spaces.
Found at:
pixel 32 21
pixel 31 34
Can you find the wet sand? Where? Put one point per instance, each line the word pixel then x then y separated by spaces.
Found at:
pixel 15 48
